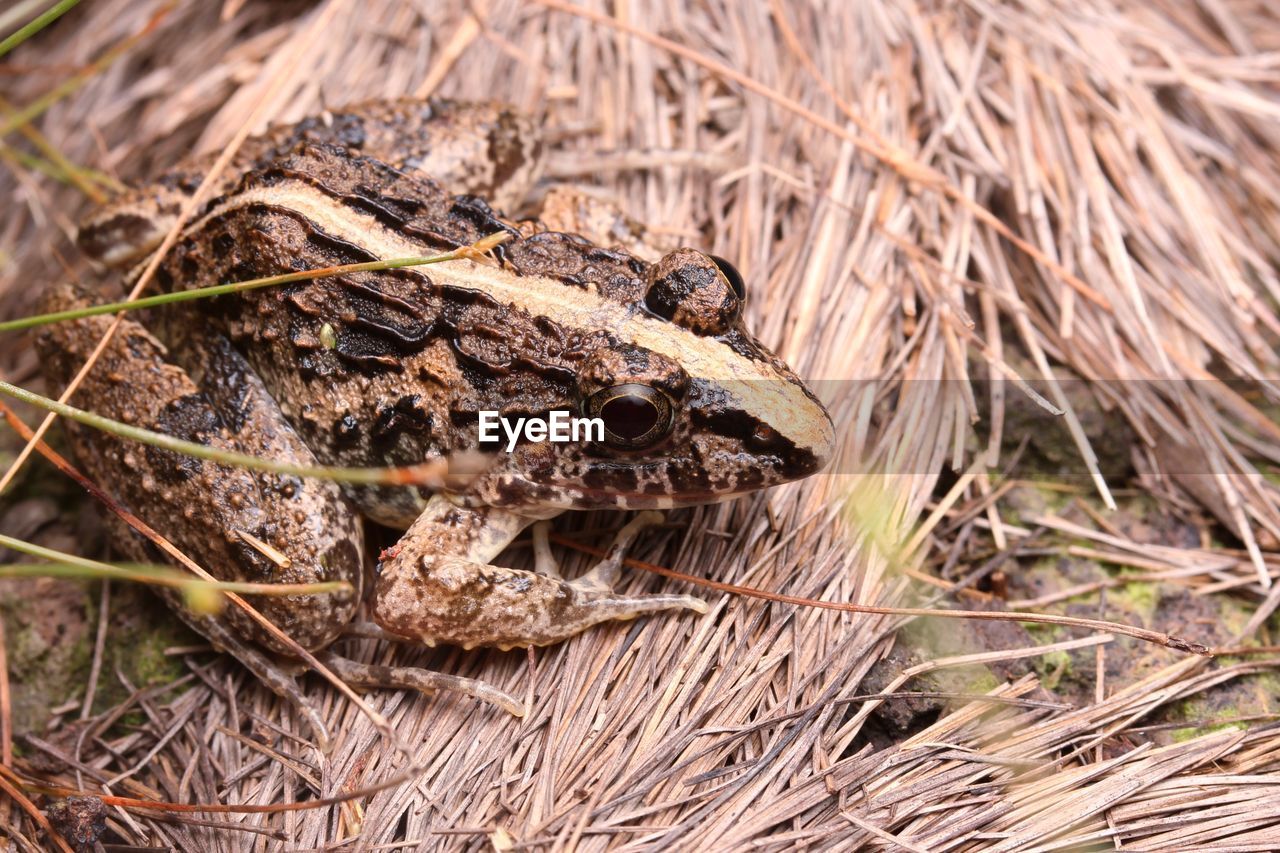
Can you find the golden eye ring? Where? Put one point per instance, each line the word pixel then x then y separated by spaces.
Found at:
pixel 634 416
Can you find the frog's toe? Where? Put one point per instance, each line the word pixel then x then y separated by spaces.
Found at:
pixel 591 607
pixel 359 674
pixel 606 573
pixel 544 562
pixel 269 672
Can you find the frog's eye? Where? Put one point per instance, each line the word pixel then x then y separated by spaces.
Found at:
pixel 634 416
pixel 731 275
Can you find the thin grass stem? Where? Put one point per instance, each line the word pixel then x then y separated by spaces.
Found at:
pixel 64 565
pixel 36 24
pixel 252 284
pixel 431 473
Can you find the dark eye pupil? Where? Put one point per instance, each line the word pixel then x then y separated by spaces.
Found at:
pixel 731 273
pixel 629 416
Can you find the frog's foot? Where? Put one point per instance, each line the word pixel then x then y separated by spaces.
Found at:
pixel 439 587
pixel 268 672
pixel 359 674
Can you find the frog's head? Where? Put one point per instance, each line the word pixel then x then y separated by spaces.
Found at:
pixel 694 409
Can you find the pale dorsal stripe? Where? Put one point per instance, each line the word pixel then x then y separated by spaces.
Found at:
pixel 755 387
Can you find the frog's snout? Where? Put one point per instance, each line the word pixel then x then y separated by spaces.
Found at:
pixel 814 442
pixel 782 422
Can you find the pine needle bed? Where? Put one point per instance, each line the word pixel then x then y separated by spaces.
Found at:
pixel 933 202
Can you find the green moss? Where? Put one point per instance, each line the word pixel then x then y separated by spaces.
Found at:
pixel 1136 599
pixel 48 663
pixel 1052 668
pixel 146 660
pixel 142 627
pixel 1239 698
pixel 1193 732
pixel 1045 634
pixel 50 630
pixel 1233 613
pixel 1269 472
pixel 1028 499
pixel 1266 690
pixel 978 680
pixel 931 639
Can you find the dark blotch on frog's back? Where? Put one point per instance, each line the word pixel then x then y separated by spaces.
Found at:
pixel 189 418
pixel 405 415
pixel 477 212
pixel 346 128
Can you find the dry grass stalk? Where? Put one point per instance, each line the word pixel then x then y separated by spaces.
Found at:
pixel 1129 148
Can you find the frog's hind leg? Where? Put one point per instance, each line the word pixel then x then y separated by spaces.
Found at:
pixel 439 586
pixel 237 524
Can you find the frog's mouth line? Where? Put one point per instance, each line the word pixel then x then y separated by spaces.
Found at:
pixel 660 493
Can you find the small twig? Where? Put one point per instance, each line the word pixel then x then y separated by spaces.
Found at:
pixel 36 24
pixel 99 643
pixel 69 565
pixel 470 251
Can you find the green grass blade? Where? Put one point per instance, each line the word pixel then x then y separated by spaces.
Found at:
pixel 36 24
pixel 431 473
pixel 66 565
pixel 482 245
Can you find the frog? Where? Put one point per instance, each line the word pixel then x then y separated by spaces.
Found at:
pixel 396 367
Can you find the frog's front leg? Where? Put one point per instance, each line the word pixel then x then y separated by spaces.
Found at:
pixel 437 585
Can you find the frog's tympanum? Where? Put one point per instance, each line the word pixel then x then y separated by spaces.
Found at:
pixel 393 368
